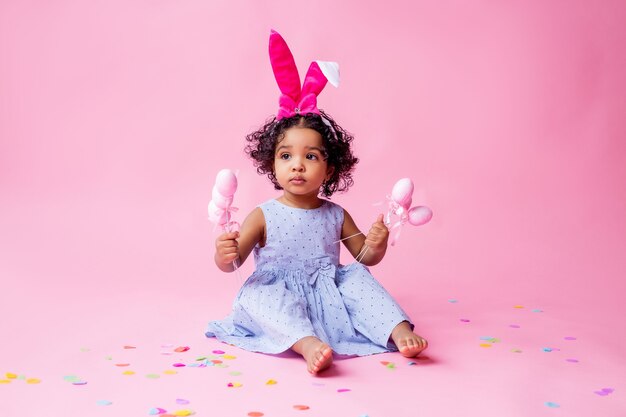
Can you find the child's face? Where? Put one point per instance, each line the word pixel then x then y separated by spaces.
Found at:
pixel 299 162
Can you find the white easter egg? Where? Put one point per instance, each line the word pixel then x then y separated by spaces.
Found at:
pixel 402 192
pixel 220 200
pixel 420 215
pixel 226 182
pixel 218 215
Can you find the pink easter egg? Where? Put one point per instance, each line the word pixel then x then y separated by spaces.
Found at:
pixel 218 215
pixel 402 192
pixel 226 182
pixel 220 200
pixel 420 215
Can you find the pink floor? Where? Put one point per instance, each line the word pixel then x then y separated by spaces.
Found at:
pixel 97 350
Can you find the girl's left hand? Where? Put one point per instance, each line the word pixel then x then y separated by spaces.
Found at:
pixel 378 235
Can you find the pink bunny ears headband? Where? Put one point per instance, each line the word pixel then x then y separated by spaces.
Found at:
pixel 295 99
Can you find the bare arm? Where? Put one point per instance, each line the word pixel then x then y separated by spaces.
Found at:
pixel 376 239
pixel 238 245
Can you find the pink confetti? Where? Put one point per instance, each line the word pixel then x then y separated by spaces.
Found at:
pixel 218 352
pixel 344 390
pixel 178 365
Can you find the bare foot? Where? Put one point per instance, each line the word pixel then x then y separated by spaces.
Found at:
pixel 318 355
pixel 409 344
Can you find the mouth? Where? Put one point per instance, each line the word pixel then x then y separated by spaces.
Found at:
pixel 297 180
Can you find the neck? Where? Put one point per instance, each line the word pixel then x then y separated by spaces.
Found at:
pixel 303 202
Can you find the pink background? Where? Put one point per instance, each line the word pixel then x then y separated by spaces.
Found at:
pixel 115 117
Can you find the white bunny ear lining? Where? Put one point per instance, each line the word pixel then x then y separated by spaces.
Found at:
pixel 331 71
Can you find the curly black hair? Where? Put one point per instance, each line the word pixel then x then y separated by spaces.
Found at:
pixel 262 145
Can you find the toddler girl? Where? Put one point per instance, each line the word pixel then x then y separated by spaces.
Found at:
pixel 300 297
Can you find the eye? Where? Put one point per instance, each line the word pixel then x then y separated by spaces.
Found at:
pixel 312 157
pixel 284 156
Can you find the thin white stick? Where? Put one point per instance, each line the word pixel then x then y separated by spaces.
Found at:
pixel 360 233
pixel 359 257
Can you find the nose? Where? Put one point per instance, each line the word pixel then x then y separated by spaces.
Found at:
pixel 297 165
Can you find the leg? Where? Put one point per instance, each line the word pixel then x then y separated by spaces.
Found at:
pixel 409 344
pixel 318 355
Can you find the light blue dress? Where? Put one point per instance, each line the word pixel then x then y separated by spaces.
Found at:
pixel 299 289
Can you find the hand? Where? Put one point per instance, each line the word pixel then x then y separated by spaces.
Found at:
pixel 226 248
pixel 378 235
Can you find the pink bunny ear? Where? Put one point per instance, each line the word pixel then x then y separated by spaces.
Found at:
pixel 293 99
pixel 284 67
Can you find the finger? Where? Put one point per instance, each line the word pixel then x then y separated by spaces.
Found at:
pixel 228 236
pixel 380 218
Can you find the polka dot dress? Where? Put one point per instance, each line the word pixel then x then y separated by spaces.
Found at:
pixel 299 289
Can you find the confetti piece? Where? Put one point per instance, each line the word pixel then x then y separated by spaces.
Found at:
pixel 516 350
pixel 218 352
pixel 518 306
pixel 108 358
pixel 344 390
pixel 183 412
pixel 33 381
pixel 181 349
pixel 170 372
pixel 485 345
pixel 514 326
pixel 255 414
pixel 10 375
pixel 129 347
pixel 5 381
pixel 604 391
pixel 569 338
pixel 234 385
pixel 301 407
pixel 465 320
pixel 85 349
pixel 128 373
pixel 271 382
pixel 122 364
pixel 155 411
pixel 229 357
pixel 153 376
pixel 453 300
pixel 536 310
pixel 182 401
pixel 202 358
pixel 234 373
pixel 572 360
pixel 216 361
pixel 178 365
pixel 104 402
pixel 412 363
pixel 547 349
pixel 552 404
pixel 79 383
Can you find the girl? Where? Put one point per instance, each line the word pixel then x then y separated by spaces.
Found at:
pixel 299 297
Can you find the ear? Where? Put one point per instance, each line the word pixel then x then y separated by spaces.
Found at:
pixel 329 172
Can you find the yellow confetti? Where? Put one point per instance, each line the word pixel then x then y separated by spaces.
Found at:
pixel 33 381
pixel 11 376
pixel 229 357
pixel 271 382
pixel 5 381
pixel 518 306
pixel 516 350
pixel 485 345
pixel 128 373
pixel 170 372
pixel 183 412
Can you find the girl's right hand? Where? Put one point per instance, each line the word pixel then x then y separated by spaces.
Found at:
pixel 226 248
